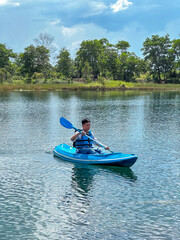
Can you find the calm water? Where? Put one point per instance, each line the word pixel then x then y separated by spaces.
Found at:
pixel 42 197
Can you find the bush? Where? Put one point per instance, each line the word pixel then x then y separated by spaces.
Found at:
pixel 102 80
pixel 173 80
pixel 4 75
pixel 37 77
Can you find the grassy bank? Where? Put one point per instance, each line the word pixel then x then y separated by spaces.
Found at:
pixel 111 85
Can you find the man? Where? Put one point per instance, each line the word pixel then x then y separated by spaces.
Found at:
pixel 82 143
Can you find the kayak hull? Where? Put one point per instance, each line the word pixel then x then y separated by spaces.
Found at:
pixel 67 153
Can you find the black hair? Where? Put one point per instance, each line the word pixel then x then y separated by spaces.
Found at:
pixel 85 120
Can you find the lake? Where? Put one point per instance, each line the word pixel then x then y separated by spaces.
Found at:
pixel 42 197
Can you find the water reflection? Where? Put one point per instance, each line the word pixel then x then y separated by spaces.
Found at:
pixel 100 95
pixel 76 201
pixel 82 179
pixel 126 173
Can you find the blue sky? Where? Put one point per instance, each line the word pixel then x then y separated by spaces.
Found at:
pixel 72 21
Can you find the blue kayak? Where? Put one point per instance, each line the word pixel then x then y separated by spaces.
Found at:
pixel 67 153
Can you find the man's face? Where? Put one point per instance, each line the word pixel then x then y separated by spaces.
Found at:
pixel 86 126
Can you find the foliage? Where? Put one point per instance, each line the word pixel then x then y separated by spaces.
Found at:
pixel 123 46
pixel 89 52
pixel 158 52
pixel 37 77
pixel 64 64
pixel 6 55
pixel 35 59
pixel 176 49
pixel 2 75
pixel 102 80
pixel 87 72
pixel 96 61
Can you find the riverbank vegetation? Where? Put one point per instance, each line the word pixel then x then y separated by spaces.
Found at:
pixel 98 64
pixel 95 86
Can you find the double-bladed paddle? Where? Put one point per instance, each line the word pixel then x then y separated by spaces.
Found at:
pixel 65 123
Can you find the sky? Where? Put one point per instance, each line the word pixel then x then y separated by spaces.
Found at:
pixel 72 21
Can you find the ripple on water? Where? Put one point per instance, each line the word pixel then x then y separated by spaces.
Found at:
pixel 42 197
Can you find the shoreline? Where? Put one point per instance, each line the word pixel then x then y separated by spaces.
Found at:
pixel 83 87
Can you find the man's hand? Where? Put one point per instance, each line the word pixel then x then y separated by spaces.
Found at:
pixel 107 148
pixel 83 133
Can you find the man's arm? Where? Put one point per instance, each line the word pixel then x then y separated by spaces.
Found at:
pixel 76 135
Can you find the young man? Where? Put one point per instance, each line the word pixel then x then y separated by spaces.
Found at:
pixel 82 143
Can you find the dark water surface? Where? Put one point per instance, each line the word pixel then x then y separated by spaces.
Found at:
pixel 42 197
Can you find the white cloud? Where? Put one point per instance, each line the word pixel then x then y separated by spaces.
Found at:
pixel 55 22
pixel 3 2
pixel 120 5
pixel 96 8
pixel 16 4
pixel 7 2
pixel 69 32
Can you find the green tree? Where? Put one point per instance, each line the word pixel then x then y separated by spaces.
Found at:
pixel 87 72
pixel 129 66
pixel 28 61
pixel 2 75
pixel 135 66
pixel 64 64
pixel 6 58
pixel 42 61
pixel 35 59
pixel 5 55
pixel 89 52
pixel 157 51
pixel 123 46
pixel 176 49
pixel 107 59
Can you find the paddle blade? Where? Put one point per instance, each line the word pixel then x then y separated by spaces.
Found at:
pixel 65 123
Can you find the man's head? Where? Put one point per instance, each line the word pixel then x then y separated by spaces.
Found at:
pixel 86 124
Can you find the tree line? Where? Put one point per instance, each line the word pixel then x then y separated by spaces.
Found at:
pixel 94 60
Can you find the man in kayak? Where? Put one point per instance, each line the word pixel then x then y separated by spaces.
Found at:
pixel 82 143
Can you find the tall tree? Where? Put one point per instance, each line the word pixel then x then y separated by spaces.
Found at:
pixel 87 72
pixel 5 56
pixel 35 59
pixel 64 64
pixel 107 59
pixel 42 61
pixel 89 52
pixel 28 61
pixel 176 48
pixel 157 50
